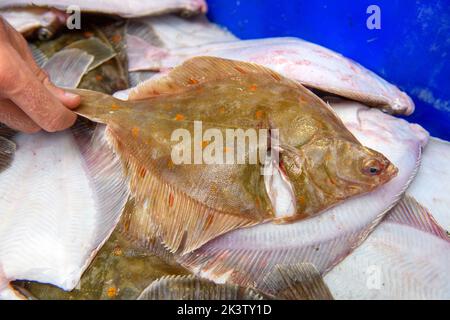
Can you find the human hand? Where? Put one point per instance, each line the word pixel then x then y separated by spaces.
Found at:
pixel 29 102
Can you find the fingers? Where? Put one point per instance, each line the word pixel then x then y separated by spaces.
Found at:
pixel 26 90
pixel 15 118
pixel 70 100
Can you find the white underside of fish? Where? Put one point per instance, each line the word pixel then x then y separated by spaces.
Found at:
pixel 167 32
pixel 308 63
pixel 246 255
pixel 431 187
pixel 406 257
pixel 25 20
pixel 129 8
pixel 60 200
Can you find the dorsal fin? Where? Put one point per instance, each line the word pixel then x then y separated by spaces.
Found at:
pixel 410 212
pixel 297 282
pixel 194 288
pixel 199 70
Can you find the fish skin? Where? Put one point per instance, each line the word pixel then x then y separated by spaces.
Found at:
pixel 27 20
pixel 432 184
pixel 110 76
pixel 172 32
pixel 126 9
pixel 194 288
pixel 120 271
pixel 310 64
pixel 245 256
pixel 168 32
pixel 406 257
pixel 232 195
pixel 35 248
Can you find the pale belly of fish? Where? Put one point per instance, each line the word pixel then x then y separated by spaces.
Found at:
pixel 130 8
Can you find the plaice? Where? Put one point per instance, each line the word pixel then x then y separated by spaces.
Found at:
pixel 208 199
pixel 432 184
pixel 55 216
pixel 310 64
pixel 168 32
pixel 245 256
pixel 406 257
pixel 46 22
pixel 121 270
pixel 128 9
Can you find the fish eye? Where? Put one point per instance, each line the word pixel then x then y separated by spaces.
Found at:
pixel 372 167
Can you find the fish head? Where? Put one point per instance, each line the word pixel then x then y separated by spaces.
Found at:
pixel 328 171
pixel 361 168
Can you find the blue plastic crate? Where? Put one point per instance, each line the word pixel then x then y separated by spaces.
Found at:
pixel 411 50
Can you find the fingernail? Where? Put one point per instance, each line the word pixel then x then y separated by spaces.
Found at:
pixel 70 95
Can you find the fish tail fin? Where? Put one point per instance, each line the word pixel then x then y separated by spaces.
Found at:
pixel 73 62
pixel 99 107
pixel 297 282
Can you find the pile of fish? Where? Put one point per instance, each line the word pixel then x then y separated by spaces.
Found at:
pixel 356 207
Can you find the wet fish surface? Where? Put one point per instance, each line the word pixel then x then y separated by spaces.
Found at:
pixel 128 9
pixel 192 204
pixel 406 257
pixel 120 271
pixel 431 188
pixel 44 22
pixel 310 64
pixel 245 256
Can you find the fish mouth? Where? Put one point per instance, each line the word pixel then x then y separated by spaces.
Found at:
pixel 390 172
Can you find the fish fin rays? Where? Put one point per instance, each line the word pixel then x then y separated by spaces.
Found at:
pixel 297 282
pixel 194 288
pixel 93 46
pixel 182 222
pixel 199 70
pixel 74 62
pixel 410 212
pixel 7 150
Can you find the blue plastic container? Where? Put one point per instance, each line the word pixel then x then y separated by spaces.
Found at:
pixel 411 50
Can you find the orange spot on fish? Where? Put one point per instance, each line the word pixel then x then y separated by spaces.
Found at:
pixel 239 69
pixel 253 87
pixel 171 200
pixel 112 292
pixel 179 117
pixel 117 251
pixel 259 114
pixel 135 132
pixel 142 172
pixel 98 77
pixel 301 200
pixel 116 38
pixel 193 81
pixel 169 164
pixel 88 34
pixel 115 107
